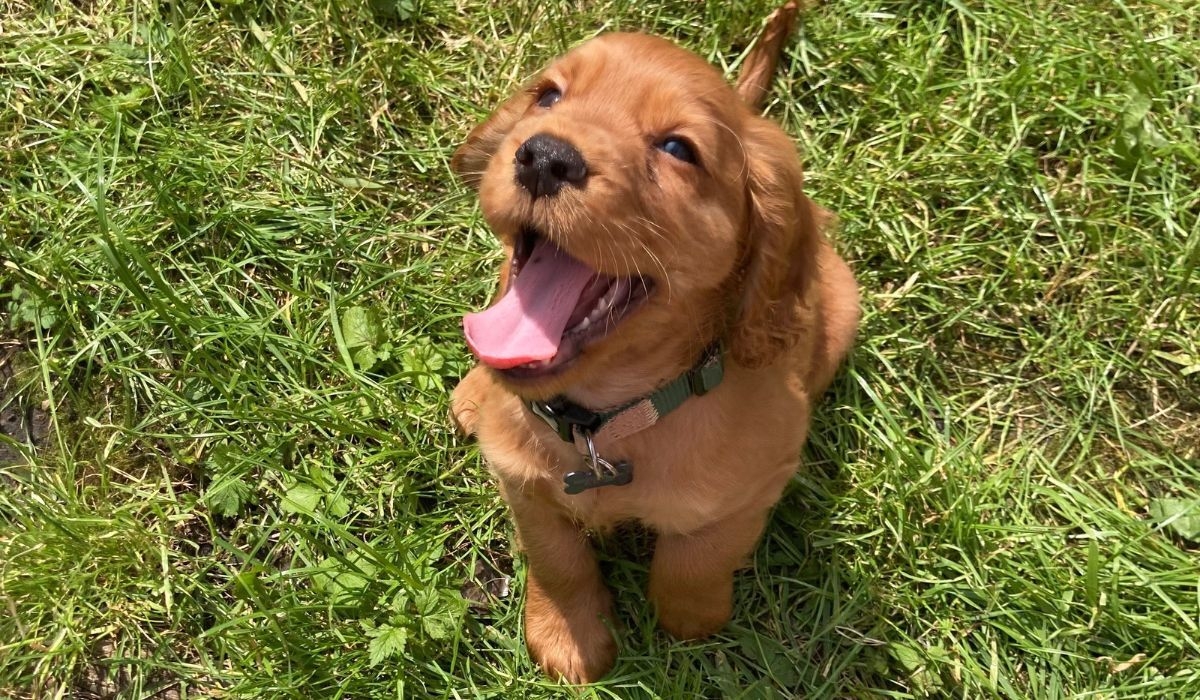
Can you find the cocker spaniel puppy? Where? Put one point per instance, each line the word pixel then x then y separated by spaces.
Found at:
pixel 668 311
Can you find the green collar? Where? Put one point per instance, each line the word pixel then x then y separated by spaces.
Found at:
pixel 582 426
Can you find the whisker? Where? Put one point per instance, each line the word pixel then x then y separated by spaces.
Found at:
pixel 656 260
pixel 736 137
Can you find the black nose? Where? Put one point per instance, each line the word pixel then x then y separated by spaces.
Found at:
pixel 545 163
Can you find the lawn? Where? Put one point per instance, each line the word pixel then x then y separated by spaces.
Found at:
pixel 234 264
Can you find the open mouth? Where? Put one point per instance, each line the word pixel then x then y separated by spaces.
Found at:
pixel 554 308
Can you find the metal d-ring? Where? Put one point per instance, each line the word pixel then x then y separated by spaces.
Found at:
pixel 600 472
pixel 595 461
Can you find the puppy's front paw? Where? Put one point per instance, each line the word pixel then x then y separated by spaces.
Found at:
pixel 570 641
pixel 465 418
pixel 465 402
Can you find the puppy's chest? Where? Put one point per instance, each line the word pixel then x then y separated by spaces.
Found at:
pixel 675 487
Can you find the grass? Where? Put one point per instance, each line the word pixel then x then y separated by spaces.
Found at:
pixel 233 267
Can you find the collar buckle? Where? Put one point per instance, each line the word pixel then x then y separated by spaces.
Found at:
pixel 564 417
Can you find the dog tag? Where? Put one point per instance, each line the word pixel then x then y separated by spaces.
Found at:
pixel 620 474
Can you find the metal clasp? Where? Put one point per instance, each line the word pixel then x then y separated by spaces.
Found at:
pixel 708 375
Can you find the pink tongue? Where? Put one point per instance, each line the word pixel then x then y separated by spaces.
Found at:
pixel 527 324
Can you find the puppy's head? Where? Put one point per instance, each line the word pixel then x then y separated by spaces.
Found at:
pixel 645 212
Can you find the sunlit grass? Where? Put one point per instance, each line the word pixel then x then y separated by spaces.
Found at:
pixel 234 267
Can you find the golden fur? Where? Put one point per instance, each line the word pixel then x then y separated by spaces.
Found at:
pixel 739 254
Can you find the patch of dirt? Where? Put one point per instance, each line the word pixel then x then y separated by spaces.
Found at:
pixel 491 581
pixel 26 424
pixel 106 680
pixel 109 675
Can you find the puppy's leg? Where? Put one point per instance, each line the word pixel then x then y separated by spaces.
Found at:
pixel 691 577
pixel 566 601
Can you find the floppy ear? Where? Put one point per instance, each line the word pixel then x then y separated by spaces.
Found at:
pixel 471 158
pixel 782 245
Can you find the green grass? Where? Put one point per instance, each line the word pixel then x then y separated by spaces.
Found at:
pixel 234 262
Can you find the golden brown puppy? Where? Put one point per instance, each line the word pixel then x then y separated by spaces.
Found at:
pixel 663 264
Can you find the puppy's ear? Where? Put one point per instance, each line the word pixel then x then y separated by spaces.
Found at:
pixel 471 158
pixel 783 242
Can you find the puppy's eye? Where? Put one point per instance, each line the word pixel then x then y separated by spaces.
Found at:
pixel 678 148
pixel 548 97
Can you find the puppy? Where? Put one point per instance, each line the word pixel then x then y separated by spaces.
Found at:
pixel 669 309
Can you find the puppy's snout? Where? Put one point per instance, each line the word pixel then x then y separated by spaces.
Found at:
pixel 545 163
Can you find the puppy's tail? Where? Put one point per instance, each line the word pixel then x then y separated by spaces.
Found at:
pixel 755 79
